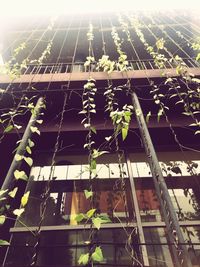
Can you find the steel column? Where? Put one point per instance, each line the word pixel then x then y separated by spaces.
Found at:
pixel 15 165
pixel 180 252
pixel 137 213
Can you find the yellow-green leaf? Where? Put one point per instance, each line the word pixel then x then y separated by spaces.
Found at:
pixel 39 121
pixel 8 128
pixel 25 198
pixel 31 143
pixel 79 217
pixel 18 157
pixel 4 243
pixel 97 255
pixel 18 212
pixel 29 161
pixel 160 43
pixel 28 150
pixel 13 192
pixel 97 222
pixel 88 194
pixel 84 258
pixel 2 219
pixel 90 213
pixel 20 175
pixel 35 130
pixel 124 133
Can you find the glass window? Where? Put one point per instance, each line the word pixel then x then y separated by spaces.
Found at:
pixel 140 169
pixel 74 172
pixel 67 199
pixel 60 172
pixel 192 237
pixel 63 248
pixel 147 200
pixel 157 249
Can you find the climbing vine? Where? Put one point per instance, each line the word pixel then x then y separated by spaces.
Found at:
pixel 181 87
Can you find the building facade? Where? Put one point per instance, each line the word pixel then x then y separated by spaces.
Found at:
pixel 100 141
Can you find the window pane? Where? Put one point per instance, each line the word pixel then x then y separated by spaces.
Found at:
pixel 157 249
pixel 74 172
pixel 147 200
pixel 67 199
pixel 63 248
pixel 60 172
pixel 192 237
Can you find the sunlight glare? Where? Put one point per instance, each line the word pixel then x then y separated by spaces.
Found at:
pixel 47 7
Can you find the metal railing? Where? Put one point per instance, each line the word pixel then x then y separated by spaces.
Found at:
pixel 53 68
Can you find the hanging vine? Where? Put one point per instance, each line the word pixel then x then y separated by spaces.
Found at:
pixel 95 253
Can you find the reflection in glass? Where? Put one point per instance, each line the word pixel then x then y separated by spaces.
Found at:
pixel 158 254
pixel 192 237
pixel 63 248
pixel 76 172
pixel 147 200
pixel 67 199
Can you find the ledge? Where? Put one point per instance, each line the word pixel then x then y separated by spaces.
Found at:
pixel 82 76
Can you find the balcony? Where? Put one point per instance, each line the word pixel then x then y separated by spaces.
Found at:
pixel 58 72
pixel 147 64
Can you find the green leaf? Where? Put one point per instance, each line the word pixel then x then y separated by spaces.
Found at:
pixel 4 243
pixel 35 130
pixel 39 121
pixel 104 218
pixel 25 198
pixel 79 217
pixel 90 213
pixel 8 128
pixel 198 57
pixel 31 143
pixel 88 194
pixel 84 258
pixel 20 175
pixel 18 212
pixel 96 153
pixel 97 255
pixel 13 192
pixel 160 43
pixel 93 164
pixel 124 133
pixel 18 157
pixel 28 149
pixel 97 222
pixel 2 219
pixel 29 161
pixel 93 130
